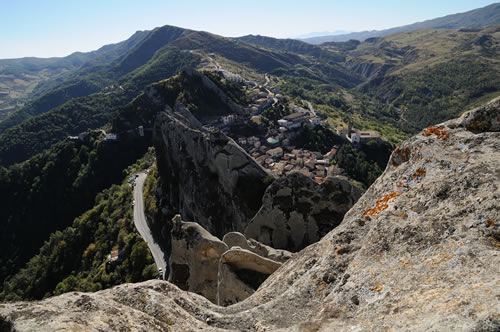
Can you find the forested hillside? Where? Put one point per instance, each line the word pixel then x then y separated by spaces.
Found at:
pixel 47 192
pixel 76 258
pixel 37 133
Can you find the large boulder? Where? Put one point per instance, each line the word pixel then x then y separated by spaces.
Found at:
pixel 235 239
pixel 297 211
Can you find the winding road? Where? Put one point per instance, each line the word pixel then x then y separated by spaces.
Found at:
pixel 142 225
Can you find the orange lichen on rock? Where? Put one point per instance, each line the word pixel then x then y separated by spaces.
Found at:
pixel 378 288
pixel 420 172
pixel 490 222
pixel 400 156
pixel 321 286
pixel 381 204
pixel 400 184
pixel 440 132
pixel 444 258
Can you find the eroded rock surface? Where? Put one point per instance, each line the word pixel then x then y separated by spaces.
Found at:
pixel 420 251
pixel 225 272
pixel 195 258
pixel 297 211
pixel 235 239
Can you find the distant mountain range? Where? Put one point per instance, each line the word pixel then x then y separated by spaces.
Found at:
pixel 385 80
pixel 474 19
pixel 320 34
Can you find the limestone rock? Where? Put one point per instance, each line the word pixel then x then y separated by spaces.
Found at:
pixel 420 251
pixel 194 258
pixel 297 211
pixel 242 259
pixel 206 176
pixel 481 119
pixel 221 271
pixel 235 239
pixel 241 272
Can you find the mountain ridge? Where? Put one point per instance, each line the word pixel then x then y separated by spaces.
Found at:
pixel 473 19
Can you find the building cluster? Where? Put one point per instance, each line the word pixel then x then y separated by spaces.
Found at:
pixel 262 101
pixel 296 119
pixel 310 163
pixel 273 151
pixel 358 137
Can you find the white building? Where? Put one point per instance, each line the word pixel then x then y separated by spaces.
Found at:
pixel 110 137
pixel 228 119
pixel 293 120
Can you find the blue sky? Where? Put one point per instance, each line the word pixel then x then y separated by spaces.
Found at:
pixel 58 28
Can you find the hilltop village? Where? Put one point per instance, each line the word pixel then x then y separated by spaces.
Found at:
pixel 274 148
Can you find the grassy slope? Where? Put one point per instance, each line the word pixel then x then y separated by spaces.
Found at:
pixel 31 78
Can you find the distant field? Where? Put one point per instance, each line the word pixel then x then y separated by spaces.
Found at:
pixel 15 89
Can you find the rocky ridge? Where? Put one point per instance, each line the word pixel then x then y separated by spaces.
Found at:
pixel 206 176
pixel 418 252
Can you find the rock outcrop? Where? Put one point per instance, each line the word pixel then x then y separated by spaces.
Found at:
pixel 194 259
pixel 420 251
pixel 206 176
pixel 297 211
pixel 241 272
pixel 235 239
pixel 225 272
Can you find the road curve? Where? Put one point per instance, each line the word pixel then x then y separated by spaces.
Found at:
pixel 142 226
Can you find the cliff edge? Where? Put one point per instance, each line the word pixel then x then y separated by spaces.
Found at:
pixel 420 251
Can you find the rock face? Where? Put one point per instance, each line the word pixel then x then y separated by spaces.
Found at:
pixel 195 258
pixel 297 211
pixel 420 251
pixel 225 272
pixel 206 176
pixel 241 272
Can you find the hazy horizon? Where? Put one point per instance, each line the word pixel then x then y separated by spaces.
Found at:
pixel 59 28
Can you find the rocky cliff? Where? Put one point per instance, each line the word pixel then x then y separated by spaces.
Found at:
pixel 418 252
pixel 296 211
pixel 206 176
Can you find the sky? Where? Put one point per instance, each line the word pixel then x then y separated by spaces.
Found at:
pixel 60 27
